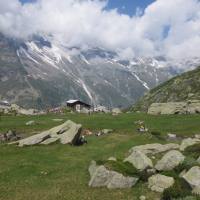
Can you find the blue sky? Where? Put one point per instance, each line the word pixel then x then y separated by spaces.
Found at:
pixel 124 6
pixel 129 6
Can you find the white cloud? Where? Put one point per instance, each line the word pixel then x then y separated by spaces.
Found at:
pixel 170 28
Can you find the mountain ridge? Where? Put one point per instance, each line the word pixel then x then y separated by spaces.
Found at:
pixel 184 87
pixel 40 73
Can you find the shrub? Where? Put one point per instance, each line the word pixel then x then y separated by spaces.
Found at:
pixel 187 164
pixel 125 168
pixel 158 135
pixel 180 189
pixel 193 150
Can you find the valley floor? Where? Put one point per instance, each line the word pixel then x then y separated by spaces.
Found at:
pixel 60 172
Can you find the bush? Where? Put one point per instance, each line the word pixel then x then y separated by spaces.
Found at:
pixel 180 189
pixel 187 164
pixel 193 151
pixel 158 135
pixel 125 168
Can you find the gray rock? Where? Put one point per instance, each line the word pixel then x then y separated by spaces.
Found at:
pixel 169 108
pixel 159 183
pixel 188 142
pixel 106 131
pixel 197 136
pixel 57 120
pixel 66 133
pixel 118 181
pixel 154 148
pixel 50 140
pixel 142 198
pixel 112 159
pixel 196 190
pixel 193 177
pixel 116 111
pixel 139 160
pixel 171 136
pixel 101 177
pixel 92 168
pixel 198 160
pixel 30 123
pixel 170 160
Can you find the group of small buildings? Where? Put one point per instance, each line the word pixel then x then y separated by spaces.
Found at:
pixel 77 106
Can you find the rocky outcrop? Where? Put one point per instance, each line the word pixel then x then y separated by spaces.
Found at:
pixel 170 160
pixel 101 177
pixel 154 148
pixel 66 133
pixel 188 142
pixel 139 160
pixel 170 108
pixel 159 183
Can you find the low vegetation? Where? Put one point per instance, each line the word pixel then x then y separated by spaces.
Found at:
pixel 58 171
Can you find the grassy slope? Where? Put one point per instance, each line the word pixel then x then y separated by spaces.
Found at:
pixel 21 169
pixel 181 88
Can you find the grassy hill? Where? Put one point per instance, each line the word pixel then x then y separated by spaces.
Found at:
pixel 181 88
pixel 58 171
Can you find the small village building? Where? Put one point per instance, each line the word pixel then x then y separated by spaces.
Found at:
pixel 78 106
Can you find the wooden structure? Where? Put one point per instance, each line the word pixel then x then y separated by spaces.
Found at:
pixel 77 105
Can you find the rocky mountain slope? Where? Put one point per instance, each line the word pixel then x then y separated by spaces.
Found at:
pixel 184 87
pixel 38 73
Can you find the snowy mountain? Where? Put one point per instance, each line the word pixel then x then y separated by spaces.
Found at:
pixel 44 73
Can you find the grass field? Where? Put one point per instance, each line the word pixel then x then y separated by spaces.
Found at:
pixel 57 172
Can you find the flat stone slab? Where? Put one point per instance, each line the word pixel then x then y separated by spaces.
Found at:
pixel 66 133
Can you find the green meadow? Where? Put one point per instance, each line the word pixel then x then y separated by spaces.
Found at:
pixel 60 172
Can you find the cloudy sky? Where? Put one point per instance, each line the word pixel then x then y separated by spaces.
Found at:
pixel 140 28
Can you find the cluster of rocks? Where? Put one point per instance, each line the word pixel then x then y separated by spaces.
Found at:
pixel 189 107
pixel 141 159
pixel 10 136
pixel 66 133
pixel 17 110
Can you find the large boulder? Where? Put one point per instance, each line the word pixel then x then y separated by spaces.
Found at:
pixel 120 181
pixel 170 160
pixel 168 108
pixel 193 177
pixel 159 183
pixel 154 148
pixel 139 160
pixel 116 111
pixel 102 177
pixel 66 133
pixel 188 142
